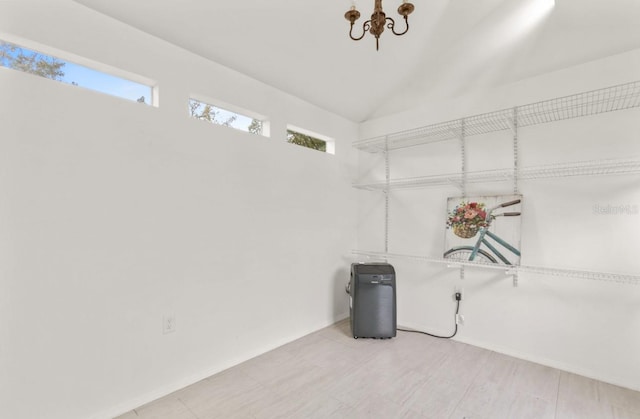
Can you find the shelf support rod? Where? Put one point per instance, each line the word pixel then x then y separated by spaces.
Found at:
pixel 516 171
pixel 516 157
pixel 387 177
pixel 463 156
pixel 463 161
pixel 511 122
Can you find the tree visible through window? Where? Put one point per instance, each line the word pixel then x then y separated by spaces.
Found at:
pixel 29 61
pixel 256 127
pixel 308 141
pixel 12 56
pixel 206 112
pixel 219 116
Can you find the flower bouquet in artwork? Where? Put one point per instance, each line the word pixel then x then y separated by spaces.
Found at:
pixel 467 218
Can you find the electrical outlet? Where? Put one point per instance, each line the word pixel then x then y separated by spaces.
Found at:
pixel 458 290
pixel 168 323
pixel 460 319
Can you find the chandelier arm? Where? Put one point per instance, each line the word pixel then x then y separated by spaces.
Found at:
pixel 365 28
pixel 391 25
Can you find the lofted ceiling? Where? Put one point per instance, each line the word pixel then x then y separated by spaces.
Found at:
pixel 302 47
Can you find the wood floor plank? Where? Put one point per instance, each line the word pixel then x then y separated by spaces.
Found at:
pixel 381 406
pixel 619 413
pixel 488 400
pixel 619 397
pixel 328 374
pixel 436 398
pixel 582 409
pixel 167 407
pixel 576 387
pixel 527 406
pixel 537 380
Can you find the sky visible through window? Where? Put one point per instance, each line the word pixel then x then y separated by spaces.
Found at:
pixel 220 116
pixel 241 122
pixel 81 76
pixel 106 83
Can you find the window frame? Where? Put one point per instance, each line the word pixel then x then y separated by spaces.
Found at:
pixel 330 142
pixel 67 57
pixel 226 107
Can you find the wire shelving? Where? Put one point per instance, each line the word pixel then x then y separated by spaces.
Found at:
pixel 609 99
pixel 619 278
pixel 583 168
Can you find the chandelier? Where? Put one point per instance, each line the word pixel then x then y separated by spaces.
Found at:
pixel 378 20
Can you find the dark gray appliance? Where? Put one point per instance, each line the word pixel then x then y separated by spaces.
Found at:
pixel 372 300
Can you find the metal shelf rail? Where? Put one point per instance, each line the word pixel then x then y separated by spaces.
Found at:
pixel 626 279
pixel 609 99
pixel 583 168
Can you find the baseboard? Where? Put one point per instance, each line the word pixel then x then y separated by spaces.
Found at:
pixel 585 372
pixel 563 366
pixel 158 393
pixel 341 317
pixel 163 391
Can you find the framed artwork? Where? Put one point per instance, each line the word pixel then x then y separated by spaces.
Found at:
pixel 484 229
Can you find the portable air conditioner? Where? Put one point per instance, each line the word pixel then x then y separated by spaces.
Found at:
pixel 372 301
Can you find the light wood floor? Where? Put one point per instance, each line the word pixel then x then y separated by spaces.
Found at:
pixel 328 374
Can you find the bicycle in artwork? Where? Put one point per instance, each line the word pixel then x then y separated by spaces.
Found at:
pixel 472 219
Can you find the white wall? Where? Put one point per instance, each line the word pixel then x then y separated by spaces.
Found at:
pixel 584 326
pixel 113 214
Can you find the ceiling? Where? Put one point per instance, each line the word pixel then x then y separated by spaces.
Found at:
pixel 302 47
